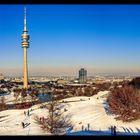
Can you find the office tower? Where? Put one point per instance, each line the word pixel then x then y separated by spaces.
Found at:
pixel 82 76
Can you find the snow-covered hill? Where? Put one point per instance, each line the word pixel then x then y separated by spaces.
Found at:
pixel 88 115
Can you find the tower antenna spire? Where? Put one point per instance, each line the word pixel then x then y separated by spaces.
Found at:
pixel 25 29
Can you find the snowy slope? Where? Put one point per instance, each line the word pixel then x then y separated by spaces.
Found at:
pixel 85 111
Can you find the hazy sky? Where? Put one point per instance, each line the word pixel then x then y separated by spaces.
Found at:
pixel 63 38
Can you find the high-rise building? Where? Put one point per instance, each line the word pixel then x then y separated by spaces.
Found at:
pixel 25 45
pixel 82 76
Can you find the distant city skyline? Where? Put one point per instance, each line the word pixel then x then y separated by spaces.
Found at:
pixel 103 39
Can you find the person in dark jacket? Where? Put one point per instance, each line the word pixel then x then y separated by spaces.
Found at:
pixel 82 127
pixel 28 112
pixel 111 128
pixel 114 130
pixel 88 125
pixel 23 124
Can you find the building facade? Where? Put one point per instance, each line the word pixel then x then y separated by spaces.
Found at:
pixel 82 76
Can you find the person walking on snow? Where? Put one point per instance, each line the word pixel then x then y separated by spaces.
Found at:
pixel 114 130
pixel 88 125
pixel 23 124
pixel 82 127
pixel 28 112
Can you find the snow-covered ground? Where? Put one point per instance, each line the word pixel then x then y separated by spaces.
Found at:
pixel 88 116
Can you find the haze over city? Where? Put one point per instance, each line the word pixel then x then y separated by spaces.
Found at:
pixel 63 38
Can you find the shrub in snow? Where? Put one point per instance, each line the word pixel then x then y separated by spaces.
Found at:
pixel 125 103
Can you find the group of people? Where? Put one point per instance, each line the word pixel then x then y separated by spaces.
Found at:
pixel 113 130
pixel 88 125
pixel 25 113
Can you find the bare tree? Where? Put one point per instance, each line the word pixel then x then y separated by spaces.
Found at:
pixel 16 97
pixel 56 122
pixel 2 103
pixel 16 94
pixel 125 103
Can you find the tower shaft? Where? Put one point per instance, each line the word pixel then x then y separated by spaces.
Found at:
pixel 25 69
